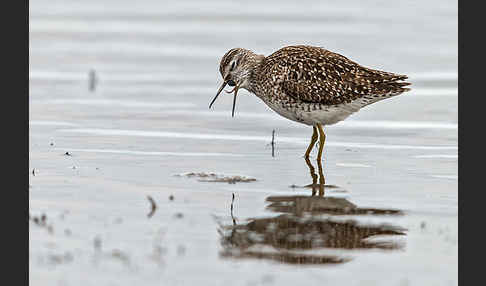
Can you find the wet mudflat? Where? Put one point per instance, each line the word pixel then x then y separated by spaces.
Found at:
pixel 388 215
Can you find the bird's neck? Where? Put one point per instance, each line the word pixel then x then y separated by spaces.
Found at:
pixel 255 63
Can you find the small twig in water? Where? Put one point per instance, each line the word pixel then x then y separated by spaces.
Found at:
pixel 97 243
pixel 153 207
pixel 232 201
pixel 273 143
pixel 92 80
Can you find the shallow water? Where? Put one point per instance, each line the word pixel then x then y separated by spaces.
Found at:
pixel 393 164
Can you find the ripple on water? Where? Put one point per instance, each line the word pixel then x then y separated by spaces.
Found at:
pixel 236 137
pixel 153 153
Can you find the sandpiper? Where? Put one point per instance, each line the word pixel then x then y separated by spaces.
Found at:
pixel 307 84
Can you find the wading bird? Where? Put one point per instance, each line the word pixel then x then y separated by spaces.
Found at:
pixel 309 85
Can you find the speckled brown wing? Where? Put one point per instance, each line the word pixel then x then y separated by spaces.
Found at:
pixel 313 74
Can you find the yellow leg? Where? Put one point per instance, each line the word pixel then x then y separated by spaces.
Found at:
pixel 313 141
pixel 322 139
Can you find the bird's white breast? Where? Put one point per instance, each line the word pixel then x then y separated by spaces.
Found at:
pixel 329 114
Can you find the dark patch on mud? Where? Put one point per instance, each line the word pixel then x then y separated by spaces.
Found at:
pixel 218 178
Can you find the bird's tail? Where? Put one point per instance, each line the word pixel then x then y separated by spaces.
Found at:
pixel 383 87
pixel 398 85
pixel 390 85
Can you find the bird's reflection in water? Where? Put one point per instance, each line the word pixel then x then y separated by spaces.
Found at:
pixel 301 235
pixel 322 181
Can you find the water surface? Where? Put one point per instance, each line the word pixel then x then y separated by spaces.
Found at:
pixel 391 218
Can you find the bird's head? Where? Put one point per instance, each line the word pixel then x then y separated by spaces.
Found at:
pixel 236 68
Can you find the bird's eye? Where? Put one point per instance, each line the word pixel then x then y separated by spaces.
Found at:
pixel 233 64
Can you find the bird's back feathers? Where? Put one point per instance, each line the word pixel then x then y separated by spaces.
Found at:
pixel 313 74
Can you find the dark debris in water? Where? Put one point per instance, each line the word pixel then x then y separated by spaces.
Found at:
pixel 97 243
pixel 55 259
pixel 153 207
pixel 42 222
pixel 121 256
pixel 423 225
pixel 217 178
pixel 181 250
